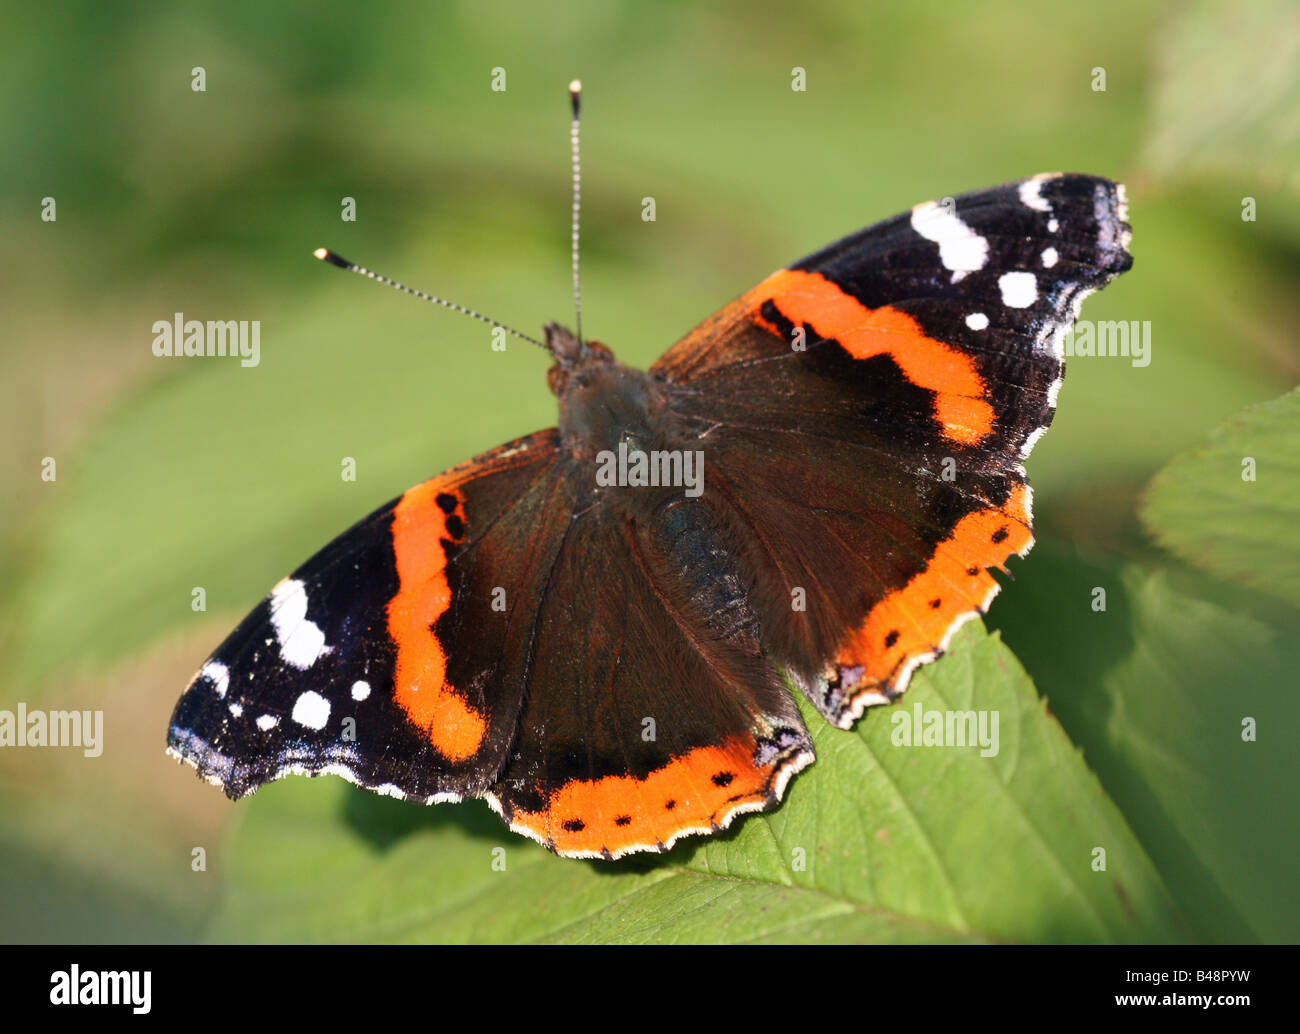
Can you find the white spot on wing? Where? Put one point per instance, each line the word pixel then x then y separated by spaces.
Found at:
pixel 1031 192
pixel 267 722
pixel 360 689
pixel 237 709
pixel 1049 257
pixel 301 641
pixel 961 249
pixel 218 674
pixel 311 710
pixel 977 321
pixel 1019 290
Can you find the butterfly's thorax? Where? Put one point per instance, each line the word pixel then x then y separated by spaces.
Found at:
pixel 610 413
pixel 606 404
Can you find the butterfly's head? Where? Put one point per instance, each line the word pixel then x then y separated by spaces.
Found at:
pixel 572 356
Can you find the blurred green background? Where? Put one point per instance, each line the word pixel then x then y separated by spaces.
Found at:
pixel 175 473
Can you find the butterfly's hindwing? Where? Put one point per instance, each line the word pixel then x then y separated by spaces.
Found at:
pixel 650 710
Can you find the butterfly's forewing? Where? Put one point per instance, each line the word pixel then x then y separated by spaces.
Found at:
pixel 390 656
pixel 865 413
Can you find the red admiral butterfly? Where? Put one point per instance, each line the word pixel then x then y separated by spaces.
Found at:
pixel 606 656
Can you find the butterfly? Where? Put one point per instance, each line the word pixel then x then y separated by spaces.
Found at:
pixel 600 628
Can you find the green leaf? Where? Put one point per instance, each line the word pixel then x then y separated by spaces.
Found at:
pixel 1232 506
pixel 876 842
pixel 1155 688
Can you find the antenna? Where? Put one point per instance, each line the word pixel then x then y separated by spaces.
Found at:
pixel 575 97
pixel 325 255
pixel 575 100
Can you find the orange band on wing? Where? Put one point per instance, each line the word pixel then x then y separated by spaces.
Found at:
pixel 420 684
pixel 804 297
pixel 913 621
pixel 695 791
